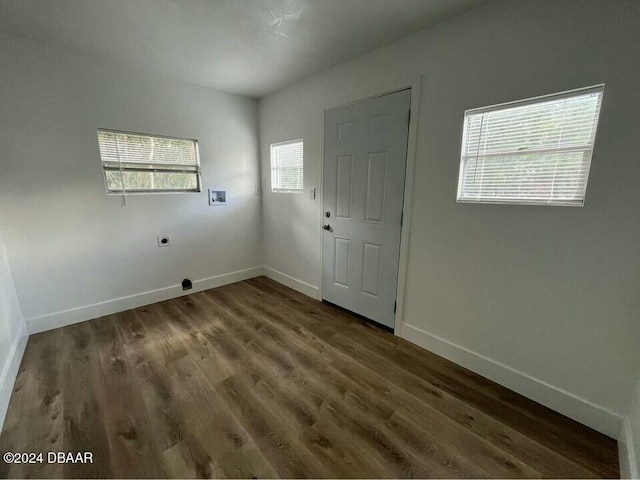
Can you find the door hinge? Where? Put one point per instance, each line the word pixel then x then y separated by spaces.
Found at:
pixel 395 306
pixel 401 218
pixel 409 118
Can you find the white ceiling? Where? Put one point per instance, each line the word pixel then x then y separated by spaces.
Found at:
pixel 248 47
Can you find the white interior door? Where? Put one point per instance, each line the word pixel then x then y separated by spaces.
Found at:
pixel 365 156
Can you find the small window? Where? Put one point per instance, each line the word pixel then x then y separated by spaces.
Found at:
pixel 534 151
pixel 141 163
pixel 287 166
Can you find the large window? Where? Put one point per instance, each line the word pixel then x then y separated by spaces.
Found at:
pixel 534 151
pixel 287 166
pixel 139 163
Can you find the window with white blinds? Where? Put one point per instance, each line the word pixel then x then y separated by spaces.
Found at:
pixel 535 151
pixel 139 163
pixel 287 166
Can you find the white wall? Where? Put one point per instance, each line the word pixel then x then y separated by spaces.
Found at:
pixel 543 299
pixel 634 423
pixel 71 245
pixel 13 332
pixel 630 440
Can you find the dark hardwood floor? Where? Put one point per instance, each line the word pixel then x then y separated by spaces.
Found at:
pixel 256 380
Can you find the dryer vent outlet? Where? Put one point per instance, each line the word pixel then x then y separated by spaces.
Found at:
pixel 186 284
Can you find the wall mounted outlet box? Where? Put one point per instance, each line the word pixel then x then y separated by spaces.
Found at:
pixel 217 197
pixel 164 241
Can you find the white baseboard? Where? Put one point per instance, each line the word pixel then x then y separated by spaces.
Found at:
pixel 10 371
pixel 566 403
pixel 629 466
pixel 294 283
pixel 96 310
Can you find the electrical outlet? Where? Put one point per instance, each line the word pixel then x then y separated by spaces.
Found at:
pixel 164 241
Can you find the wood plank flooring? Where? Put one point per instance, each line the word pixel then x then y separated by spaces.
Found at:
pixel 256 380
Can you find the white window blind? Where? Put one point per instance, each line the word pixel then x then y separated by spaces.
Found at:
pixel 287 166
pixel 137 163
pixel 534 151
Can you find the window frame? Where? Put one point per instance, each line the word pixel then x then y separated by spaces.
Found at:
pixel 272 168
pixel 158 191
pixel 522 103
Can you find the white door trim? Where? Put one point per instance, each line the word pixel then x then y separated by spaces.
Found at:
pixel 408 192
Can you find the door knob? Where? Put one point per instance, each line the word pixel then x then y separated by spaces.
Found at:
pixel 326 226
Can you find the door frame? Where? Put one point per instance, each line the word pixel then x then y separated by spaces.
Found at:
pixel 412 139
